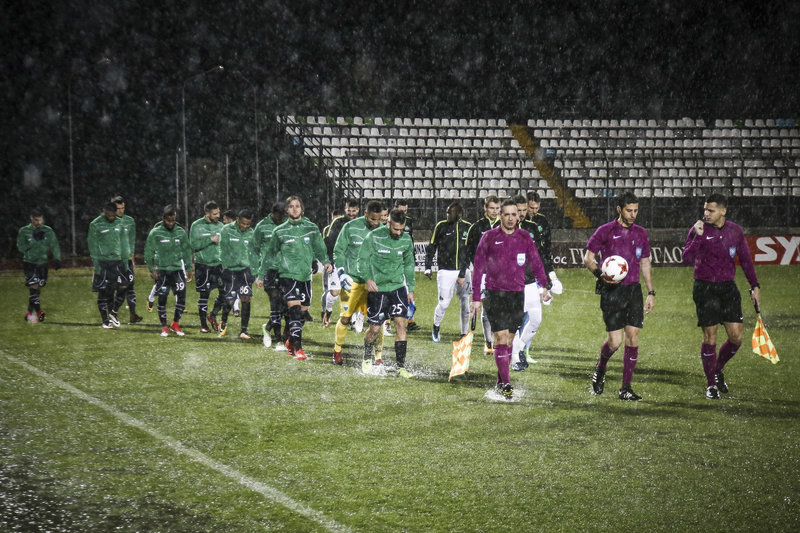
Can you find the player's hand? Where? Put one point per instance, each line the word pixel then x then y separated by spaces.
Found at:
pixel 608 280
pixel 461 281
pixel 154 275
pixel 328 268
pixel 260 283
pixel 345 281
pixel 411 297
pixel 428 273
pixel 699 226
pixel 755 297
pixel 215 238
pixel 546 296
pixel 371 286
pixel 188 277
pixel 474 308
pixel 649 303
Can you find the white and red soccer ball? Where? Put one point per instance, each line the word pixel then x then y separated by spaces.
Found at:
pixel 615 267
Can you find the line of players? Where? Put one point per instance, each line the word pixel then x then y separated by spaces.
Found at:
pixel 374 275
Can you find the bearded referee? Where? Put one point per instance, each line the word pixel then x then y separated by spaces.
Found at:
pixel 621 302
pixel 712 246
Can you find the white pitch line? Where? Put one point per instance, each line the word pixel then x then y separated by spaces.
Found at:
pixel 268 492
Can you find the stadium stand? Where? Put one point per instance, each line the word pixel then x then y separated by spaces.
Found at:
pixel 569 160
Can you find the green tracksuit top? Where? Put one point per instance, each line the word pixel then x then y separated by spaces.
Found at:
pixel 236 250
pixel 129 226
pixel 206 251
pixel 107 241
pixel 386 261
pixel 168 249
pixel 348 243
pixel 36 243
pixel 296 244
pixel 263 234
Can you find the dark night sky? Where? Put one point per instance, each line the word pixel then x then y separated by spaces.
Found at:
pixel 125 62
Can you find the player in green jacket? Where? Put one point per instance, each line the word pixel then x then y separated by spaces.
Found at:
pixel 386 263
pixel 296 244
pixel 353 296
pixel 204 238
pixel 169 259
pixel 128 294
pixel 277 307
pixel 36 241
pixel 238 256
pixel 109 248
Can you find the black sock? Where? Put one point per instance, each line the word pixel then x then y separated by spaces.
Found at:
pixel 33 300
pixel 162 309
pixel 245 315
pixel 296 327
pixel 400 352
pixel 202 308
pixel 180 306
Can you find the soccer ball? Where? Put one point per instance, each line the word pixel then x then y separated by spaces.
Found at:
pixel 615 267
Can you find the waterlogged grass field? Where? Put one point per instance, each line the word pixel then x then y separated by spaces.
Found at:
pixel 126 431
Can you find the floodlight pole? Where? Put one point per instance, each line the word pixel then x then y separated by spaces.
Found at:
pixel 255 123
pixel 71 169
pixel 183 135
pixel 103 61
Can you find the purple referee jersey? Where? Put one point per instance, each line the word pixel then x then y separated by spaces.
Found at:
pixel 713 253
pixel 503 257
pixel 631 243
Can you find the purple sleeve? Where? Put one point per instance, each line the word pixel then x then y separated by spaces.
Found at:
pixel 746 261
pixel 478 265
pixel 646 248
pixel 690 248
pixel 596 240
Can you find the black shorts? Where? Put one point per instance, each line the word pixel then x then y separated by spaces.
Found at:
pixel 292 290
pixel 382 306
pixel 35 275
pixel 504 309
pixel 237 283
pixel 174 280
pixel 112 275
pixel 717 302
pixel 207 278
pixel 622 306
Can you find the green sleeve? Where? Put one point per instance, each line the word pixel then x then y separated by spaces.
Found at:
pixel 363 266
pixel 187 252
pixel 53 243
pixel 320 252
pixel 131 237
pixel 22 239
pixel 92 243
pixel 149 258
pixel 268 255
pixel 341 247
pixel 195 240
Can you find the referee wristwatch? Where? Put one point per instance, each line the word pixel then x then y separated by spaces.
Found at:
pixel 651 293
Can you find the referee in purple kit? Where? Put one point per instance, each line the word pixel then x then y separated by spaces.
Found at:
pixel 712 246
pixel 621 302
pixel 503 254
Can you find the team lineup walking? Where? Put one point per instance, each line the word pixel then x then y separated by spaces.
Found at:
pixel 499 267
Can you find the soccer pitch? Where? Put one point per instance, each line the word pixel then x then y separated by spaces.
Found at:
pixel 124 430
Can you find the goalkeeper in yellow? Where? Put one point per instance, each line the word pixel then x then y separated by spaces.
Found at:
pixel 353 297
